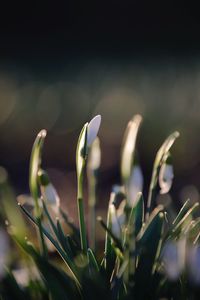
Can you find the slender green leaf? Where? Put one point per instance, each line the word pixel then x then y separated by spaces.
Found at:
pixel 128 149
pixel 176 229
pixel 81 155
pixel 63 254
pixel 182 212
pixel 92 260
pixel 35 163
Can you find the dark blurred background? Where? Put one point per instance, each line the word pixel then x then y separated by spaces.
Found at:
pixel 63 62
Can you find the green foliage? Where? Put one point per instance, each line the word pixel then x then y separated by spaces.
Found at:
pixel 135 263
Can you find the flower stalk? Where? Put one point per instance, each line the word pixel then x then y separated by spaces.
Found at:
pixel 86 138
pixel 93 165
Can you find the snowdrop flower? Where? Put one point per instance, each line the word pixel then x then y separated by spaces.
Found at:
pixel 92 130
pixel 166 176
pixel 173 257
pixel 116 210
pixel 50 195
pixel 48 191
pixel 135 184
pixel 115 225
pixel 86 138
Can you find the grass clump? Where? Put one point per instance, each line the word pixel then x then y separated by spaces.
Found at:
pixel 147 253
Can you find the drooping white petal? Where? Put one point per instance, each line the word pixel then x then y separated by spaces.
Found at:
pixel 121 217
pixel 50 196
pixel 92 130
pixel 135 184
pixel 115 225
pixel 166 176
pixel 95 155
pixel 116 211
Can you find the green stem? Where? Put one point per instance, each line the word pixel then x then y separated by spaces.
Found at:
pixel 151 195
pixel 82 225
pixel 41 239
pixel 92 213
pixel 92 228
pixel 81 216
pixel 43 248
pixel 130 246
pixel 148 204
pixel 108 241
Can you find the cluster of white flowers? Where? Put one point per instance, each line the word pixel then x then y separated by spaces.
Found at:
pixel 47 189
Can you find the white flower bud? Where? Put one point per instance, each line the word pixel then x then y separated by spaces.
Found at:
pixel 48 191
pixel 116 228
pixel 92 130
pixel 116 214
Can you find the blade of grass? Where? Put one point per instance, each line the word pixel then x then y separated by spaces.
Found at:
pixel 184 218
pixel 94 160
pixel 35 162
pixel 128 148
pixel 182 212
pixel 81 154
pixel 92 260
pixel 109 231
pixel 63 255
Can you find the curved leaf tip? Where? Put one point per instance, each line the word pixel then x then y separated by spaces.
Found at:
pixel 128 149
pixel 93 128
pixel 42 133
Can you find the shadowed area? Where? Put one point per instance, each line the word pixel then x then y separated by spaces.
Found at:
pixel 62 64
